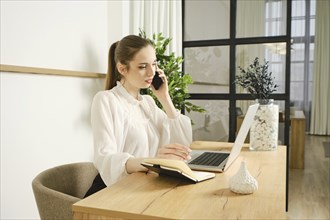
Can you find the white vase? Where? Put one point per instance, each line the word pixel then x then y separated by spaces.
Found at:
pixel 264 129
pixel 243 182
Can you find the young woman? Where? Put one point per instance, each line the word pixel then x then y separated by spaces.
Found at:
pixel 128 127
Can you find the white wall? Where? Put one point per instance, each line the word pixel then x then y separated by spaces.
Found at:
pixel 54 34
pixel 45 119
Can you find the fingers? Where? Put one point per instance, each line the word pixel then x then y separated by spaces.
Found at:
pixel 175 151
pixel 161 74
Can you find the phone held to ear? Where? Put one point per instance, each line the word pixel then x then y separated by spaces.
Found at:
pixel 157 81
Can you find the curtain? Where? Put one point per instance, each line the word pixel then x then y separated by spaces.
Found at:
pixel 250 23
pixel 320 119
pixel 158 16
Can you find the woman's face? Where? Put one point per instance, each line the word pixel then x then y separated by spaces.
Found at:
pixel 141 70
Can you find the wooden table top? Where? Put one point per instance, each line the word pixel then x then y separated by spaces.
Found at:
pixel 147 195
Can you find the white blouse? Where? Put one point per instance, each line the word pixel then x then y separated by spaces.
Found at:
pixel 124 127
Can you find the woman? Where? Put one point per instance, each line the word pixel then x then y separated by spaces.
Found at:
pixel 128 127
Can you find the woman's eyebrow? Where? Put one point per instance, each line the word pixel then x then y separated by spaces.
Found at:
pixel 146 63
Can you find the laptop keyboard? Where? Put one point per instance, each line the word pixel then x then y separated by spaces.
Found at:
pixel 209 159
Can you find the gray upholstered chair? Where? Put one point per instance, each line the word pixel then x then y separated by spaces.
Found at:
pixel 56 189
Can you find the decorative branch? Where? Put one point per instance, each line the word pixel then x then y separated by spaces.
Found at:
pixel 257 79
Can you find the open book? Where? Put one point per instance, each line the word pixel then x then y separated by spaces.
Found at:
pixel 176 168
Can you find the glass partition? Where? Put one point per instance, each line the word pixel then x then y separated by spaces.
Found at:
pixel 206 20
pixel 274 53
pixel 213 125
pixel 209 68
pixel 259 18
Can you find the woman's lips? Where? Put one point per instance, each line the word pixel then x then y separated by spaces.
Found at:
pixel 149 81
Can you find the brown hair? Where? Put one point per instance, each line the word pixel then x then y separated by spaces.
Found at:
pixel 123 51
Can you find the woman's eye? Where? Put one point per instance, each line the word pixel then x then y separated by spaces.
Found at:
pixel 143 67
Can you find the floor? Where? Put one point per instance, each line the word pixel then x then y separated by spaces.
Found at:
pixel 309 188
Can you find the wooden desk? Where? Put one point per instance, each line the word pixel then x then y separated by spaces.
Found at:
pixel 297 140
pixel 149 196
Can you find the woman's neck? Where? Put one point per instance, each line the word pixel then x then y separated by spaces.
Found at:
pixel 134 92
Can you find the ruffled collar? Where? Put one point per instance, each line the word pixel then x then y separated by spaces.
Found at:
pixel 126 95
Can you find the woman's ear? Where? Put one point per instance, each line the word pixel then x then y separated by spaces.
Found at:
pixel 121 68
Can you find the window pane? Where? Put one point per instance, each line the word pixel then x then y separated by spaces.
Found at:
pixel 313 7
pixel 312 27
pixel 310 93
pixel 298 28
pixel 311 71
pixel 298 8
pixel 297 91
pixel 298 52
pixel 213 125
pixel 209 68
pixel 205 20
pixel 278 70
pixel 273 53
pixel 297 71
pixel 311 52
pixel 256 18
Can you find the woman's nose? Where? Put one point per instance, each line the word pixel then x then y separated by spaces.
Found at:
pixel 151 71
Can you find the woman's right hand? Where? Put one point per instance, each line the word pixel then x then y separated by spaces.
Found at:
pixel 162 91
pixel 174 151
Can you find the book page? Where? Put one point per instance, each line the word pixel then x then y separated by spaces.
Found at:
pixel 176 164
pixel 201 175
pixel 182 167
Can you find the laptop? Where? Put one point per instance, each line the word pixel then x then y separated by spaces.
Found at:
pixel 219 161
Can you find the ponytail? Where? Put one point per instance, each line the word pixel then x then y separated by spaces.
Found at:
pixel 112 75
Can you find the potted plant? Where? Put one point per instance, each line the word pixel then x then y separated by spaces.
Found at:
pixel 258 80
pixel 177 81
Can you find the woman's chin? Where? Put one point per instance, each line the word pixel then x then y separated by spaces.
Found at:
pixel 146 86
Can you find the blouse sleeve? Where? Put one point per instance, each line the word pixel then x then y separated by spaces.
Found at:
pixel 109 158
pixel 173 130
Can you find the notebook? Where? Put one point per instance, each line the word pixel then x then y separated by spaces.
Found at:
pixel 219 161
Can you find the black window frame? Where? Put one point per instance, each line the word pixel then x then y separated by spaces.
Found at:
pixel 232 96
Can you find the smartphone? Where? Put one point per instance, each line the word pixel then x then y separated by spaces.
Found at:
pixel 157 81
